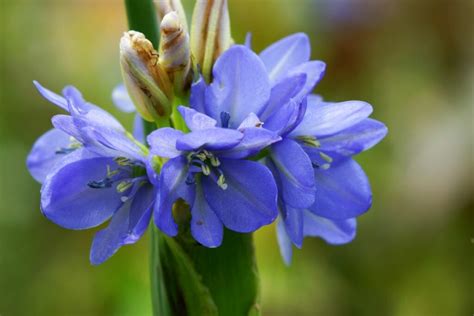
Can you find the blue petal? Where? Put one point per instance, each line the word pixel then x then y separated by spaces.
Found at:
pixel 351 141
pixel 285 54
pixel 206 227
pixel 109 142
pixel 282 93
pixel 255 139
pixel 293 219
pixel 51 96
pixel 240 85
pixel 43 157
pixel 126 227
pixel 251 120
pixel 65 123
pixel 335 232
pixel 122 100
pixel 139 129
pixel 66 198
pixel 249 201
pixel 314 71
pixel 195 120
pixel 197 99
pixel 286 118
pixel 286 248
pixel 322 119
pixel 212 139
pixel 172 187
pixel 163 142
pixel 296 173
pixel 343 191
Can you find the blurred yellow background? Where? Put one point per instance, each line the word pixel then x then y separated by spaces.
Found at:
pixel 411 59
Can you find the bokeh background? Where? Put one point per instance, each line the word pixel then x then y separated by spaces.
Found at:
pixel 411 59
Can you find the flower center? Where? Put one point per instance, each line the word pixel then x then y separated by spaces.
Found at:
pixel 127 177
pixel 324 161
pixel 204 162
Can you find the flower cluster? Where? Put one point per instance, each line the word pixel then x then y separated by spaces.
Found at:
pixel 255 146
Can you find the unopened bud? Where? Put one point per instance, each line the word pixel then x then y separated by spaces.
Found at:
pixel 175 56
pixel 164 7
pixel 146 81
pixel 210 33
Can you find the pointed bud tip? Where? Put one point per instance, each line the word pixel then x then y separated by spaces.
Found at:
pixel 171 23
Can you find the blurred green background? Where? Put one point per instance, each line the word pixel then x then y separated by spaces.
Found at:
pixel 413 60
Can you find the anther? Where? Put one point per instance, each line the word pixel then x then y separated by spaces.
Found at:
pixel 309 141
pixel 215 161
pixel 124 186
pixel 206 170
pixel 325 157
pixel 221 182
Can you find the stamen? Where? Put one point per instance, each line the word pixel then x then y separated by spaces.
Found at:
pixel 225 117
pixel 221 182
pixel 206 170
pixel 122 161
pixel 325 157
pixel 309 141
pixel 215 161
pixel 124 186
pixel 325 166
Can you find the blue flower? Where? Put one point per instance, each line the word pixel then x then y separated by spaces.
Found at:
pixel 206 170
pixel 321 189
pixel 92 170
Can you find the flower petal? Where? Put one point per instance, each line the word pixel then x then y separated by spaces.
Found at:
pixel 197 99
pixel 251 120
pixel 249 201
pixel 287 117
pixel 286 247
pixel 109 142
pixel 212 139
pixel 282 93
pixel 163 142
pixel 66 124
pixel 43 157
pixel 343 191
pixel 195 120
pixel 51 96
pixel 296 173
pixel 66 198
pixel 255 139
pixel 285 54
pixel 126 227
pixel 335 232
pixel 206 227
pixel 351 141
pixel 122 100
pixel 323 119
pixel 240 86
pixel 293 219
pixel 314 71
pixel 139 129
pixel 172 187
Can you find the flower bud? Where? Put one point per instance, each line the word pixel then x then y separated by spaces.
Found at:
pixel 164 7
pixel 210 33
pixel 175 56
pixel 146 81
